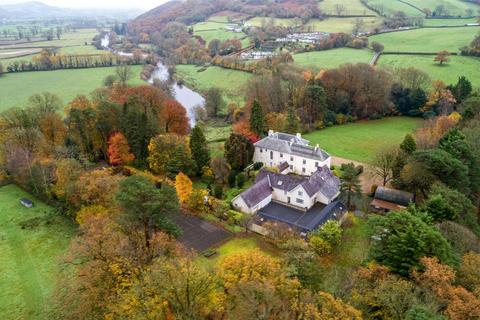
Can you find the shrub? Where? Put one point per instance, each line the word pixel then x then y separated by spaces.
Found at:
pixel 320 246
pixel 232 178
pixel 234 216
pixel 217 191
pixel 331 232
pixel 257 166
pixel 240 180
pixel 461 238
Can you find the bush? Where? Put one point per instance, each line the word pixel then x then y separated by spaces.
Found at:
pixel 331 232
pixel 234 217
pixel 240 180
pixel 232 179
pixel 257 166
pixel 217 191
pixel 461 238
pixel 320 246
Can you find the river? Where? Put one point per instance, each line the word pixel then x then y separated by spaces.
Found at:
pixel 187 97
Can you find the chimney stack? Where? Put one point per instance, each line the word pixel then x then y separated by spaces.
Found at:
pixel 299 135
pixel 270 133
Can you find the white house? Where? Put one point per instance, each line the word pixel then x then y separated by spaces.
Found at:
pixel 300 193
pixel 279 148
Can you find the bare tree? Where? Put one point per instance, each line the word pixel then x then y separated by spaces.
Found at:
pixel 124 74
pixel 340 9
pixel 383 164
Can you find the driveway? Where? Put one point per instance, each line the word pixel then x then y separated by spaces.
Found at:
pixel 367 179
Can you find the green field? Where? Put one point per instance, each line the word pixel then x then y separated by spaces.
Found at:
pixel 391 6
pixel 285 22
pixel 344 25
pixel 449 73
pixel 210 30
pixel 353 7
pixel 16 88
pixel 447 22
pixel 427 40
pixel 231 82
pixel 31 241
pixel 360 141
pixel 453 7
pixel 332 58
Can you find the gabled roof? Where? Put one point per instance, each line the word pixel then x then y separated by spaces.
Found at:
pixel 257 193
pixel 283 166
pixel 322 180
pixel 284 182
pixel 398 197
pixel 291 144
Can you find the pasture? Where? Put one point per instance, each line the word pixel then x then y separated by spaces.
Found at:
pixel 231 82
pixel 285 22
pixel 449 73
pixel 31 243
pixel 210 30
pixel 340 24
pixel 360 141
pixel 448 22
pixel 352 7
pixel 67 84
pixel 451 7
pixel 427 40
pixel 389 7
pixel 329 59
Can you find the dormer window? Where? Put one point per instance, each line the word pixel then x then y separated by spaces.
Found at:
pixel 280 182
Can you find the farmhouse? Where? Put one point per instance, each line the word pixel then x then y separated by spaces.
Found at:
pixel 387 199
pixel 279 148
pixel 303 203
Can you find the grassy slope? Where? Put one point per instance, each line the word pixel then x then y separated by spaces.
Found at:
pixel 258 21
pixel 448 22
pixel 458 66
pixel 210 30
pixel 361 140
pixel 332 58
pixel 16 88
pixel 352 7
pixel 392 6
pixel 340 24
pixel 231 82
pixel 28 256
pixel 427 40
pixel 454 7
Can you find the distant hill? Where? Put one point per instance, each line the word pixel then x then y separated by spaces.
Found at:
pixel 40 10
pixel 192 11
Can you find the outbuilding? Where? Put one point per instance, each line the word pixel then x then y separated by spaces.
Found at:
pixel 387 199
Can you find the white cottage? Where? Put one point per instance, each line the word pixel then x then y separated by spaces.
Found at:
pixel 279 148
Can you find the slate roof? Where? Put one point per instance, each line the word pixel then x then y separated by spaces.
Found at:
pixel 300 220
pixel 257 193
pixel 399 197
pixel 291 144
pixel 286 182
pixel 322 180
pixel 283 166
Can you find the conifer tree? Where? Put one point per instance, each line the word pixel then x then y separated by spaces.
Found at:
pixel 257 119
pixel 408 145
pixel 199 148
pixel 119 150
pixel 292 121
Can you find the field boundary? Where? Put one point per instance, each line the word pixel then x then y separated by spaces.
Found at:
pixel 413 6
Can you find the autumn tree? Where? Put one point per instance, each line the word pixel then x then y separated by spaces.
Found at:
pixel 199 148
pixel 119 150
pixel 161 150
pixel 183 186
pixel 175 118
pixel 383 164
pixel 442 57
pixel 238 151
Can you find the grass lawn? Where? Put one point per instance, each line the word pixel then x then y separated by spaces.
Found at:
pixel 427 40
pixel 353 7
pixel 361 140
pixel 328 59
pixel 340 24
pixel 231 82
pixel 391 6
pixel 235 245
pixel 284 22
pixel 28 254
pixel 350 254
pixel 453 7
pixel 449 73
pixel 448 22
pixel 16 88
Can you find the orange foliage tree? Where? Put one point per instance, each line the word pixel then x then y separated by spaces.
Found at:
pixel 184 187
pixel 175 118
pixel 119 150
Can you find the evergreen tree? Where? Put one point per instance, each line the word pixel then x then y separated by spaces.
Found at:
pixel 350 183
pixel 292 121
pixel 180 161
pixel 257 119
pixel 462 89
pixel 199 148
pixel 238 151
pixel 408 145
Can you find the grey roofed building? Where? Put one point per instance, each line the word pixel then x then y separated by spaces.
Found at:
pixel 292 144
pixel 257 193
pixel 322 180
pixel 399 197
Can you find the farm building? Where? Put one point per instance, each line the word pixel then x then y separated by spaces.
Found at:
pixel 387 199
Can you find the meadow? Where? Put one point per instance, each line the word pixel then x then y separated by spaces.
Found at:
pixel 231 82
pixel 329 59
pixel 392 6
pixel 67 84
pixel 210 30
pixel 448 73
pixel 31 243
pixel 352 7
pixel 453 7
pixel 340 24
pixel 360 141
pixel 285 22
pixel 427 39
pixel 448 22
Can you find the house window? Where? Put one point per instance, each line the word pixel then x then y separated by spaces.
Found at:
pixel 291 167
pixel 316 164
pixel 285 192
pixel 271 155
pixel 303 170
pixel 300 193
pixel 291 158
pixel 299 200
pixel 261 150
pixel 281 155
pixel 304 161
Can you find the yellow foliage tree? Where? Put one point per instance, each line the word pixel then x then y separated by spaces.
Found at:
pixel 200 200
pixel 184 187
pixel 88 212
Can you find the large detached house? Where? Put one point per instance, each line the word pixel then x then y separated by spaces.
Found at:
pixel 279 148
